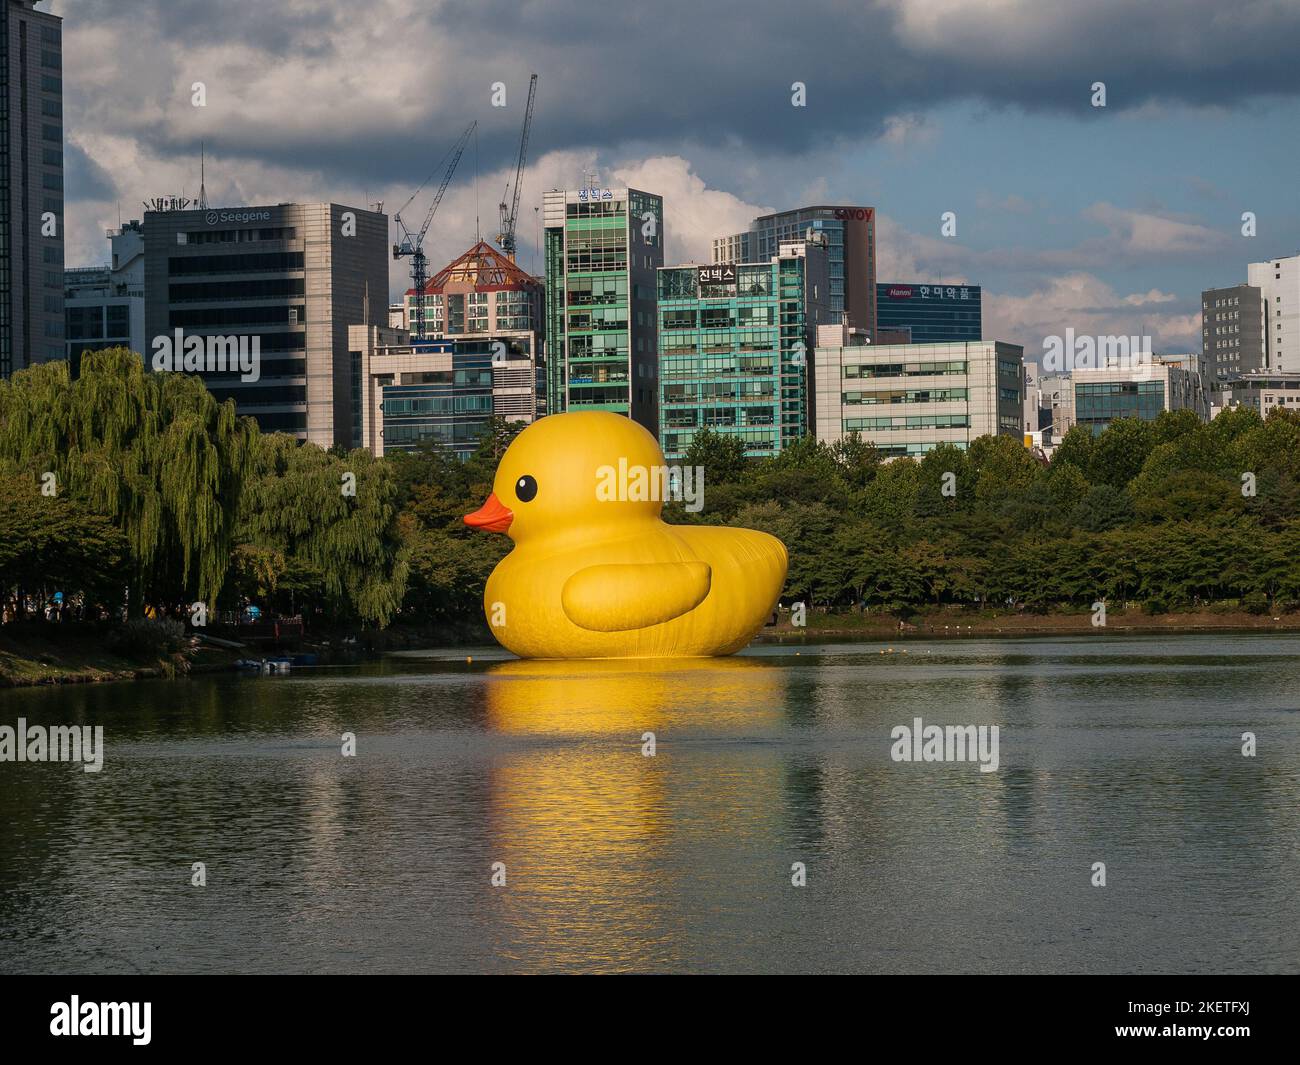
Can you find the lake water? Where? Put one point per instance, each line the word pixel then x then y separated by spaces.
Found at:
pixel 1120 750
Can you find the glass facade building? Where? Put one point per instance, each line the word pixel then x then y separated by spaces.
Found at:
pixel 450 407
pixel 850 236
pixel 1156 383
pixel 733 348
pixel 31 186
pixel 441 393
pixel 934 314
pixel 1097 405
pixel 104 305
pixel 602 248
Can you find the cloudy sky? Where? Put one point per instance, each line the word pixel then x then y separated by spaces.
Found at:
pixel 1107 220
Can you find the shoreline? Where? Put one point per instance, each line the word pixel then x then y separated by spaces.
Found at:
pixel 1133 622
pixel 41 661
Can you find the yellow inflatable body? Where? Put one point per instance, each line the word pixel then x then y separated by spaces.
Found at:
pixel 594 572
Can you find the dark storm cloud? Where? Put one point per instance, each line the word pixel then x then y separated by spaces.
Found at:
pixel 276 28
pixel 90 180
pixel 367 91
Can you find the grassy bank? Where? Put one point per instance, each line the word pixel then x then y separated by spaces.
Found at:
pixel 72 655
pixel 76 654
pixel 990 623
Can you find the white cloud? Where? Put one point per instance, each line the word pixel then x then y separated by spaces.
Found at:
pixel 909 130
pixel 902 255
pixel 1138 233
pixel 1088 305
pixel 693 213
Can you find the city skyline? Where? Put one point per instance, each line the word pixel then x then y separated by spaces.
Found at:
pixel 1108 220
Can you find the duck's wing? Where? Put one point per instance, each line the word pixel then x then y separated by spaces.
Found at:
pixel 618 598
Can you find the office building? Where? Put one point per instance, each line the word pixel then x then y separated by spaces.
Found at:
pixel 934 314
pixel 286 280
pixel 1055 405
pixel 481 293
pixel 1156 383
pixel 443 393
pixel 1278 281
pixel 1263 391
pixel 850 234
pixel 1232 330
pixel 104 305
pixel 1030 397
pixel 602 248
pixel 31 186
pixel 734 340
pixel 906 398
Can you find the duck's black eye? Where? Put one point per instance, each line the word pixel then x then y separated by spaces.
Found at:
pixel 525 489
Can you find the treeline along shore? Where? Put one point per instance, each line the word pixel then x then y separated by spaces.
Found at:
pixel 131 498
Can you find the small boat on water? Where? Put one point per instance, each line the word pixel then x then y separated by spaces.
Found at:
pixel 264 666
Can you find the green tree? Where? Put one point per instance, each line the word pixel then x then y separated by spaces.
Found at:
pixel 721 454
pixel 152 452
pixel 335 522
pixel 1103 508
pixel 1075 449
pixel 859 460
pixel 57 543
pixel 1120 451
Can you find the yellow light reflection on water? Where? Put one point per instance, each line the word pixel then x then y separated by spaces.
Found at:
pixel 596 835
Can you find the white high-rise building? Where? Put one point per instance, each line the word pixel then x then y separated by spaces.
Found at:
pixel 906 398
pixel 104 305
pixel 1278 281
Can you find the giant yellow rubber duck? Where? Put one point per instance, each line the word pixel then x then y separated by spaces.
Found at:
pixel 595 572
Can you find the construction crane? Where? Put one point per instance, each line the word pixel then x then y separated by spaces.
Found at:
pixel 510 214
pixel 412 245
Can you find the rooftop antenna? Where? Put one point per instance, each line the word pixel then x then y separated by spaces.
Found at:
pixel 203 189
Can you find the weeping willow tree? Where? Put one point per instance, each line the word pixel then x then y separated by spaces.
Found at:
pixel 325 525
pixel 153 452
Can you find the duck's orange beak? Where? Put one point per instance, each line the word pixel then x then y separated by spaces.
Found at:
pixel 491 516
